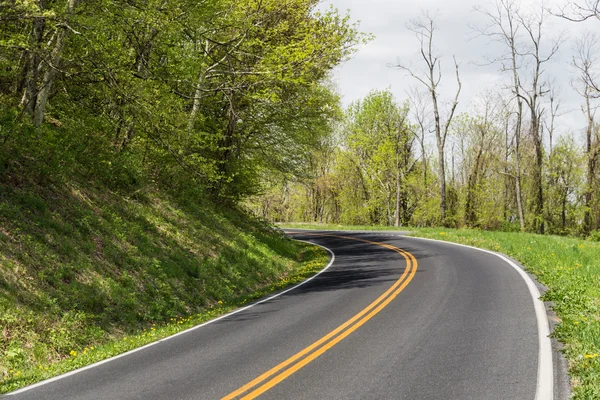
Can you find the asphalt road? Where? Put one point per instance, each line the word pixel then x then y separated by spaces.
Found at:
pixel 454 324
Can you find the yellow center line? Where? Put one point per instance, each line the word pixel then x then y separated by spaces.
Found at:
pixel 371 310
pixel 316 344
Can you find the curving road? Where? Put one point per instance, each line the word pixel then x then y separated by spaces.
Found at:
pixel 401 318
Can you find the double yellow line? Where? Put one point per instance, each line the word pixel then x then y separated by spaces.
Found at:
pixel 277 374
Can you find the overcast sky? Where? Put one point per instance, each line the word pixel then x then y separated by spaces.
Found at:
pixel 386 19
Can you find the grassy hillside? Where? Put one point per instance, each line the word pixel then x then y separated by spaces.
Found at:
pixel 569 267
pixel 86 273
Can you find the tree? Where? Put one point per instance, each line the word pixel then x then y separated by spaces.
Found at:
pixel 564 179
pixel 534 25
pixel 579 12
pixel 550 122
pixel 424 30
pixel 584 62
pixel 381 141
pixel 482 135
pixel 503 27
pixel 506 20
pixel 267 89
pixel 420 111
pixel 213 93
pixel 42 50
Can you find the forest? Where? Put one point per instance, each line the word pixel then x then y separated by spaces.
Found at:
pixel 235 100
pixel 503 164
pixel 207 94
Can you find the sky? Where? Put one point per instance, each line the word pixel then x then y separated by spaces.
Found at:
pixel 370 69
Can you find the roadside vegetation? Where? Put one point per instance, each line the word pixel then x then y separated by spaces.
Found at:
pixel 85 274
pixel 568 267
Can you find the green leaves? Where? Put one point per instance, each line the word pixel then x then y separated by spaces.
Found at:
pixel 218 93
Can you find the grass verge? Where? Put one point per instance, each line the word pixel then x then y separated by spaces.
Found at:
pixel 569 267
pixel 334 227
pixel 86 274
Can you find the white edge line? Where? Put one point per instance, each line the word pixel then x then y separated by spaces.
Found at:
pixel 545 375
pixel 76 371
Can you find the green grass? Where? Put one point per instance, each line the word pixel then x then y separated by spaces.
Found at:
pixel 569 267
pixel 86 274
pixel 333 227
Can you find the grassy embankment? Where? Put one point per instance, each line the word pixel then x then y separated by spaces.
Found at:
pixel 86 274
pixel 569 267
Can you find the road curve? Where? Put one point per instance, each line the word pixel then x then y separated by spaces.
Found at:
pixel 450 323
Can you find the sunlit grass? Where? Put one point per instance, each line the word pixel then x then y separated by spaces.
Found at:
pixel 333 227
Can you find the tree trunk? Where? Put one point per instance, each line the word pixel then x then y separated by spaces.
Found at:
pixel 441 167
pixel 538 206
pixel 196 105
pixel 398 198
pixel 54 62
pixel 517 128
pixel 426 187
pixel 32 66
pixel 440 146
pixel 470 214
pixel 518 193
pixel 564 211
pixel 198 94
pixel 587 219
pixel 507 182
pixel 442 174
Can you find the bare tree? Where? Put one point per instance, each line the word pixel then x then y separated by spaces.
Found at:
pixel 586 64
pixel 420 110
pixel 585 61
pixel 503 26
pixel 534 25
pixel 550 121
pixel 579 12
pixel 424 29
